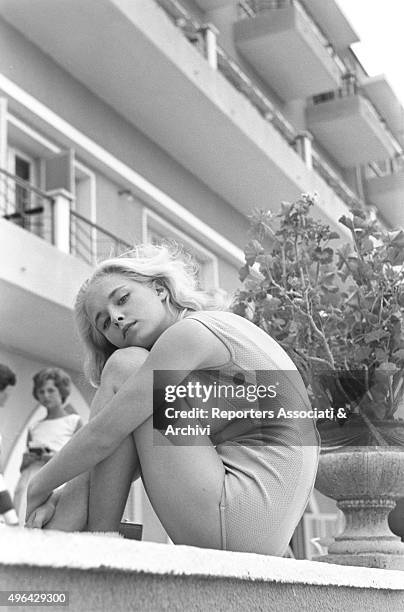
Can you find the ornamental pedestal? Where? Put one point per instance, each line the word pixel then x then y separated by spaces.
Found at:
pixel 365 482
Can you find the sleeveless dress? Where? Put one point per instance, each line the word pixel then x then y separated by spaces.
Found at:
pixel 270 464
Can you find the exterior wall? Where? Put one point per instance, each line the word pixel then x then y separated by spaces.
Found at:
pixel 117 213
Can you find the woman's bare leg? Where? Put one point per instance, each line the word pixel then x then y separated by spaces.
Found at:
pixel 184 485
pixel 111 479
pixel 95 501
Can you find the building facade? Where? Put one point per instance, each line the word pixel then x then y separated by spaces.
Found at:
pixel 123 122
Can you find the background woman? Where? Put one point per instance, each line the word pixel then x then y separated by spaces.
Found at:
pixel 244 487
pixel 46 437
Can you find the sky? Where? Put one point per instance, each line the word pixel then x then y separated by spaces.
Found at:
pixel 379 24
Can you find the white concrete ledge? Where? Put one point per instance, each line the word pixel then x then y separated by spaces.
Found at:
pixel 83 551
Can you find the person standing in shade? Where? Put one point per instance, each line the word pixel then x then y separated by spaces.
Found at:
pixel 7 510
pixel 45 438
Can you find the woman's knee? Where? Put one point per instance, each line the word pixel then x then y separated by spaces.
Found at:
pixel 123 363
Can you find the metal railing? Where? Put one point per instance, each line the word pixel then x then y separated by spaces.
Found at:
pixel 232 71
pixel 33 210
pixel 26 206
pixel 252 8
pixel 93 243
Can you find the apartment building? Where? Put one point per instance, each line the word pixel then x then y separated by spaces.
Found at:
pixel 129 121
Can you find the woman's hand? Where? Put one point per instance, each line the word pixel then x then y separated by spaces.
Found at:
pixel 36 499
pixel 27 460
pixel 40 517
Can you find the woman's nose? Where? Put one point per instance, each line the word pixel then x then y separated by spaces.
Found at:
pixel 117 317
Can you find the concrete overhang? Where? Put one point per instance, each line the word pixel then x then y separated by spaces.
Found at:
pixel 385 99
pixel 38 285
pixel 285 49
pixel 350 130
pixel 333 22
pixel 134 58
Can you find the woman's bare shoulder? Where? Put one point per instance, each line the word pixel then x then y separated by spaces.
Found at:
pixel 194 344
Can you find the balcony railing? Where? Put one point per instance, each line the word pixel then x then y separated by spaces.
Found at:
pixel 92 243
pixel 195 33
pixel 26 206
pixel 252 8
pixel 33 210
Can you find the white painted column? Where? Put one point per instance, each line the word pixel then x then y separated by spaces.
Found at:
pixel 304 148
pixel 62 200
pixel 210 33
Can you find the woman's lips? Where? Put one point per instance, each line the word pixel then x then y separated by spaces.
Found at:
pixel 127 328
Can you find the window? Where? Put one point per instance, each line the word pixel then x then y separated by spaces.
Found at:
pixel 23 200
pixel 156 230
pixel 22 167
pixel 84 186
pixel 23 203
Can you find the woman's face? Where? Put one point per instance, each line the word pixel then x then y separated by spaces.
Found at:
pixel 126 312
pixel 49 395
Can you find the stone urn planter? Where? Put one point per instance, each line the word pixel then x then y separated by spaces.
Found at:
pixel 366 483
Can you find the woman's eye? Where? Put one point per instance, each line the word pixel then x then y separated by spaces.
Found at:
pixel 105 325
pixel 123 299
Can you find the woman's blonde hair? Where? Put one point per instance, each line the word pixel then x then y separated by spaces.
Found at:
pixel 166 263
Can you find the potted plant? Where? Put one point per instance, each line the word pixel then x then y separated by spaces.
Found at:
pixel 338 311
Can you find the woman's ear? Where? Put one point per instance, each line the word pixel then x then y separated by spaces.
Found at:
pixel 161 290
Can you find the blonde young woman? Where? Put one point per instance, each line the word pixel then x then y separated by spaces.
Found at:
pixel 243 486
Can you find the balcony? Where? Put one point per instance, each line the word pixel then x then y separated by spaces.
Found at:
pixel 183 100
pixel 38 282
pixel 287 48
pixel 225 111
pixel 349 127
pixel 387 193
pixel 41 214
pixel 384 98
pixel 332 22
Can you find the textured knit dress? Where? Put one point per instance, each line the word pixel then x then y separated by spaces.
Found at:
pixel 270 463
